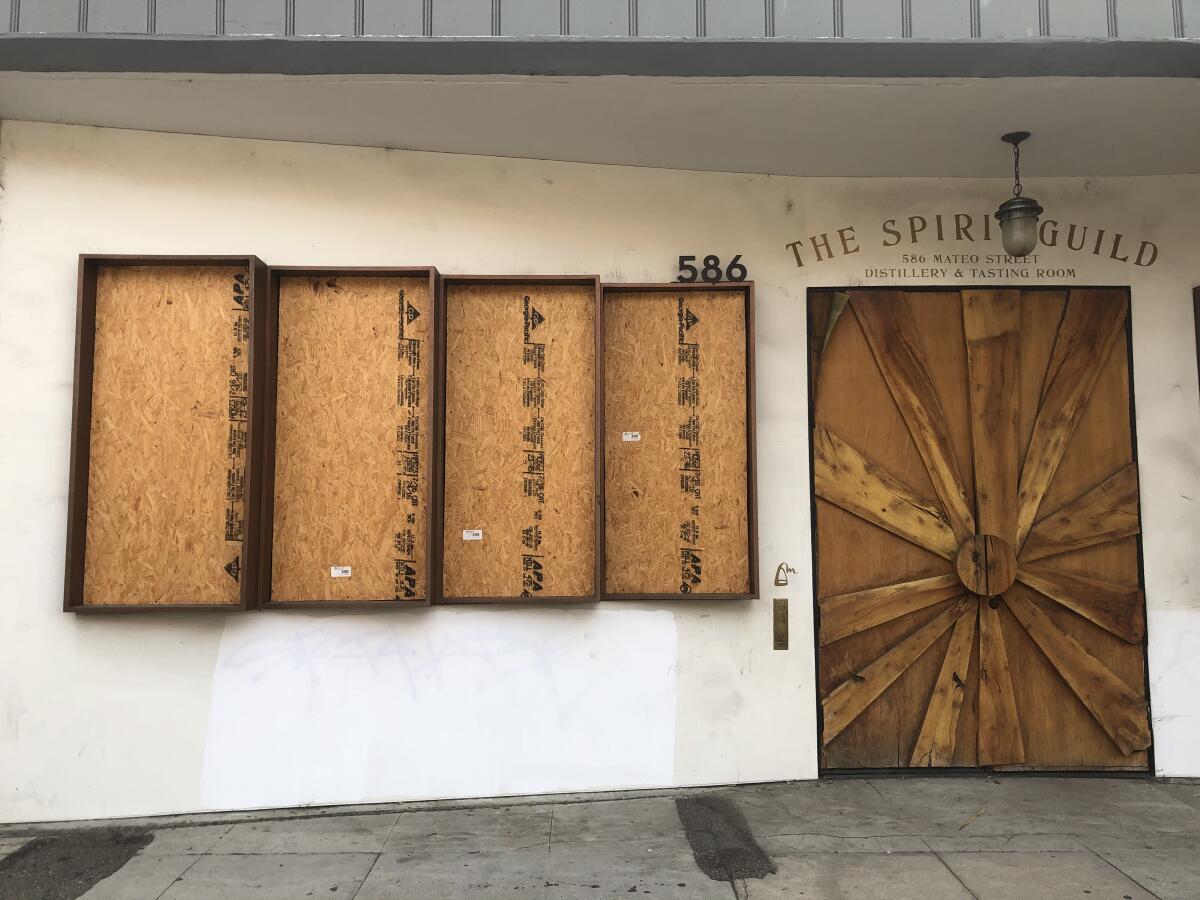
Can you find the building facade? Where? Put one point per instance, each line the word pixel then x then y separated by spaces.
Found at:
pixel 851 178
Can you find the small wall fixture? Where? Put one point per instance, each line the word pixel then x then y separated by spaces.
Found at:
pixel 1018 216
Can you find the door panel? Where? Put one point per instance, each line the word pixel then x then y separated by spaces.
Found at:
pixel 947 426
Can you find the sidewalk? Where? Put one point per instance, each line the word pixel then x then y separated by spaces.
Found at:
pixel 927 838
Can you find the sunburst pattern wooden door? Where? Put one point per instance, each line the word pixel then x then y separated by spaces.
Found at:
pixel 976 530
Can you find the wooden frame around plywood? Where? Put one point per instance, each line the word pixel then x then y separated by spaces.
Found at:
pixel 447 283
pixel 746 288
pixel 431 456
pixel 81 430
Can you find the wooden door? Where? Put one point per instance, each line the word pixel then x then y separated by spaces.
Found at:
pixel 977 530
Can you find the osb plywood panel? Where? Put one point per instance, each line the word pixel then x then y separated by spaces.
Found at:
pixel 166 486
pixel 520 441
pixel 676 497
pixel 352 445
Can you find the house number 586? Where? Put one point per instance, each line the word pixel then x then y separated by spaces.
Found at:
pixel 710 270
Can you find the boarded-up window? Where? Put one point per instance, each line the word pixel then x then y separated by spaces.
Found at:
pixel 520 509
pixel 679 452
pixel 353 437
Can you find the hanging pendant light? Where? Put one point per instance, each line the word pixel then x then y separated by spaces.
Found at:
pixel 1018 216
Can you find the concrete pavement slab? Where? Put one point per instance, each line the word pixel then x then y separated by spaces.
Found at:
pixel 144 877
pixel 662 868
pixel 484 875
pixel 186 839
pixel 783 844
pixel 272 876
pixel 616 820
pixel 1004 843
pixel 857 876
pixel 485 829
pixel 838 807
pixel 325 834
pixel 1041 876
pixel 1170 874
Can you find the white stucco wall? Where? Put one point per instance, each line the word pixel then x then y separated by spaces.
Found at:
pixel 143 714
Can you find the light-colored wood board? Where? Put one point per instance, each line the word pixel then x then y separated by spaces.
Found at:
pixel 1089 329
pixel 1000 741
pixel 1119 708
pixel 166 485
pixel 992 326
pixel 847 614
pixel 353 438
pixel 844 476
pixel 520 396
pixel 892 334
pixel 935 743
pixel 862 688
pixel 676 515
pixel 1107 512
pixel 1116 608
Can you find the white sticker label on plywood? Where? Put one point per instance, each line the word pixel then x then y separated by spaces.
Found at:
pixel 473 534
pixel 339 571
pixel 631 435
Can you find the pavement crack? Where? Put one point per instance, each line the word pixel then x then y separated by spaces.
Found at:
pixel 953 874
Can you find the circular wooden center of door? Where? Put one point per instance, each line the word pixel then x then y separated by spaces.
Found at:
pixel 986 564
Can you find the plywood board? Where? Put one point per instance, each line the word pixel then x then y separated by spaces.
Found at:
pixel 352 439
pixel 166 499
pixel 520 441
pixel 676 448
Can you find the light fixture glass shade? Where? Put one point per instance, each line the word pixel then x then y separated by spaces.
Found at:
pixel 1019 225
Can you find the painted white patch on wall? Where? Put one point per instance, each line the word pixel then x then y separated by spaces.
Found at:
pixel 380 707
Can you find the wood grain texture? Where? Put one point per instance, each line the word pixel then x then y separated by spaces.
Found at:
pixel 862 688
pixel 846 614
pixel 895 343
pixel 986 565
pixel 353 427
pixel 1116 608
pixel 1000 741
pixel 844 476
pixel 167 475
pixel 496 399
pixel 1091 324
pixel 1119 709
pixel 992 326
pixel 675 373
pixel 935 743
pixel 1107 512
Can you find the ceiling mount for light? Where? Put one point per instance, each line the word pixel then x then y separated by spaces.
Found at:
pixel 1018 216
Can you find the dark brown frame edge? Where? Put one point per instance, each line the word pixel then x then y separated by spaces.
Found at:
pixel 824 771
pixel 448 281
pixel 746 288
pixel 81 431
pixel 272 383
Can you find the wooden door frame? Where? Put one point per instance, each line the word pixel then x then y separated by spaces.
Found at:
pixel 823 771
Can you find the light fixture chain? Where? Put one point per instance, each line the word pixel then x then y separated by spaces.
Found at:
pixel 1017 170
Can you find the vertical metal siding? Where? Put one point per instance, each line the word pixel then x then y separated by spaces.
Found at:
pixel 995 19
pixel 254 16
pixel 1009 18
pixel 59 16
pixel 117 16
pixel 184 17
pixel 599 18
pixel 872 19
pixel 1145 18
pixel 941 18
pixel 803 18
pixel 387 17
pixel 530 17
pixel 462 17
pixel 735 18
pixel 1079 18
pixel 667 18
pixel 324 17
